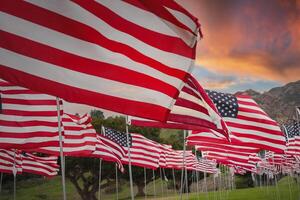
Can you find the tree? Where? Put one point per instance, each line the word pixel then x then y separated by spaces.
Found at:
pixel 84 172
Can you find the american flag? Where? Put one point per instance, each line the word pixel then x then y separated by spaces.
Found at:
pixel 28 119
pixel 292 133
pixel 217 147
pixel 79 137
pixel 137 52
pixel 44 166
pixel 117 136
pixel 192 110
pixel 143 152
pixel 109 151
pixel 10 160
pixel 248 123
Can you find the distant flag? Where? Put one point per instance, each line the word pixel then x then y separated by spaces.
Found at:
pixel 292 133
pixel 248 123
pixel 44 166
pixel 143 152
pixel 10 160
pixel 117 136
pixel 193 110
pixel 28 119
pixel 79 137
pixel 130 57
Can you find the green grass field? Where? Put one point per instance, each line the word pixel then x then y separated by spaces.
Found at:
pixel 51 190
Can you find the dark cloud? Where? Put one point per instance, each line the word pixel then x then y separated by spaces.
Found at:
pixel 259 37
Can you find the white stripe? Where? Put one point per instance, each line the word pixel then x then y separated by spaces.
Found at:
pixel 44 108
pixel 79 47
pixel 189 112
pixel 250 140
pixel 26 129
pixel 252 123
pixel 27 140
pixel 147 20
pixel 254 115
pixel 29 97
pixel 15 118
pixel 257 133
pixel 251 107
pixel 184 19
pixel 77 13
pixel 83 81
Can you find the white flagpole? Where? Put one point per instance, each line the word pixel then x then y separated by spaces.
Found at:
pixel 129 158
pixel 174 181
pixel 161 183
pixel 154 186
pixel 1 178
pixel 62 160
pixel 145 181
pixel 99 187
pixel 14 171
pixel 197 183
pixel 117 184
pixel 183 164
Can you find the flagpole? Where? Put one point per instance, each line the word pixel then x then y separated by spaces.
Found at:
pixel 1 179
pixel 154 186
pixel 14 171
pixel 197 185
pixel 100 179
pixel 145 182
pixel 62 160
pixel 183 164
pixel 129 158
pixel 165 179
pixel 117 185
pixel 161 183
pixel 174 181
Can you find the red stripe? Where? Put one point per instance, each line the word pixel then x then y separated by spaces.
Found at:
pixel 259 120
pixel 77 95
pixel 27 135
pixel 81 31
pixel 249 110
pixel 190 120
pixel 28 145
pixel 191 105
pixel 254 128
pixel 155 39
pixel 30 113
pixel 31 102
pixel 160 11
pixel 27 123
pixel 84 65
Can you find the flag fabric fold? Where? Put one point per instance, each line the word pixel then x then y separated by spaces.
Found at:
pixel 130 57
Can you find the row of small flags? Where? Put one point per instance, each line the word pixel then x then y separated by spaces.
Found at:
pixel 36 113
pixel 110 55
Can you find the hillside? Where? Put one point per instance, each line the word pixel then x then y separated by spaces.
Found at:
pixel 279 102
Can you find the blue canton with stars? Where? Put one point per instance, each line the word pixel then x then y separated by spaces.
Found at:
pixel 117 136
pixel 292 129
pixel 226 104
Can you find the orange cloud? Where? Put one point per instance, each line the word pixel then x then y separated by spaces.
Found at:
pixel 250 39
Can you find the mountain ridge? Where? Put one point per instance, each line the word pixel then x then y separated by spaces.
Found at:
pixel 278 102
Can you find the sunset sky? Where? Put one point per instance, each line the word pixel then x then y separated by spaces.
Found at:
pixel 247 43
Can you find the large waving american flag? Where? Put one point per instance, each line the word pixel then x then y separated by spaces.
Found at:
pixel 126 56
pixel 193 110
pixel 248 123
pixel 28 119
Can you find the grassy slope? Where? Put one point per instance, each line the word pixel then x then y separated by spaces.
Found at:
pixel 51 189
